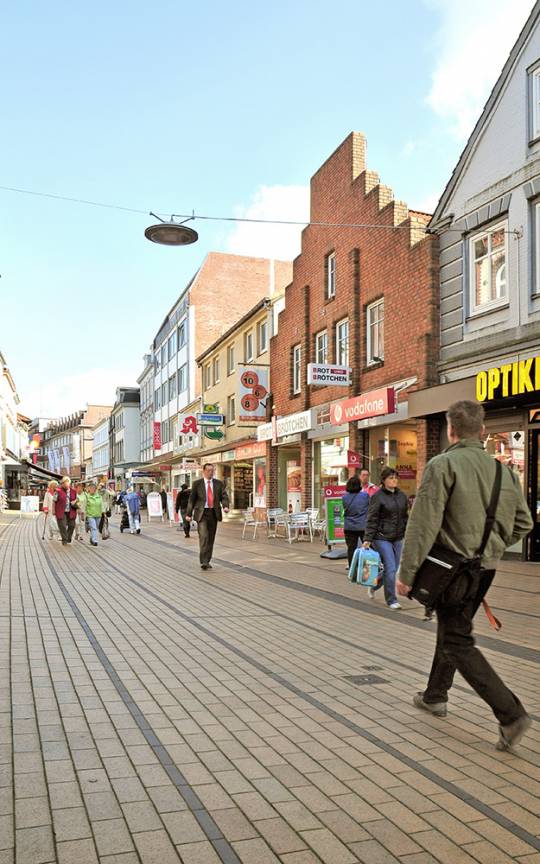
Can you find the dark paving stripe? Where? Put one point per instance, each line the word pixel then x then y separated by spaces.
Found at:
pixel 493 644
pixel 223 849
pixel 473 802
pixel 298 623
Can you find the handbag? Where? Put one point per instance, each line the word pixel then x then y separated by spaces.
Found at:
pixel 106 533
pixel 366 568
pixel 447 578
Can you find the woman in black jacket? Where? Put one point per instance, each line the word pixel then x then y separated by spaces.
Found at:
pixel 385 530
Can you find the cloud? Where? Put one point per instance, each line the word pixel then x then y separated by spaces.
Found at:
pixel 62 396
pixel 271 241
pixel 472 45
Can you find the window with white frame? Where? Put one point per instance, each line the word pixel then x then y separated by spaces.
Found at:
pixel 231 410
pixel 215 370
pixel 534 104
pixel 182 334
pixel 172 345
pixel 164 354
pixel 487 268
pixel 375 331
pixel 321 347
pixel 248 346
pixel 172 387
pixel 342 343
pixel 262 337
pixel 330 275
pixel 207 382
pixel 164 391
pixel 182 378
pixel 157 399
pixel 296 368
pixel 230 359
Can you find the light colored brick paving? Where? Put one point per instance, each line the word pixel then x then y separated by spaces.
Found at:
pixel 270 759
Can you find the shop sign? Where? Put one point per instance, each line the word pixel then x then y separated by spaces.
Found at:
pixel 354 460
pixel 157 436
pixel 189 465
pixel 335 518
pixel 250 451
pixel 372 404
pixel 252 394
pixel 187 424
pixel 264 432
pixel 154 507
pixel 325 374
pixel 228 456
pixel 210 419
pixel 293 424
pixel 509 380
pixel 334 491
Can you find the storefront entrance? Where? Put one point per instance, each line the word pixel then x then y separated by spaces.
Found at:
pixel 533 488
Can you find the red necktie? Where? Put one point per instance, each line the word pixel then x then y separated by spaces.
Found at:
pixel 210 494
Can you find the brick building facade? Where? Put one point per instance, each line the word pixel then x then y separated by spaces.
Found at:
pixel 361 297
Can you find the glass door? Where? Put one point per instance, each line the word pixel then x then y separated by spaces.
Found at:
pixel 533 489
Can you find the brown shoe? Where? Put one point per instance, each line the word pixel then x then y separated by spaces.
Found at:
pixel 512 734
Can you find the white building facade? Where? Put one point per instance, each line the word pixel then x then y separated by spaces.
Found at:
pixel 100 450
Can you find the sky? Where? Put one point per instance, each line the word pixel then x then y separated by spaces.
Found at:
pixel 220 108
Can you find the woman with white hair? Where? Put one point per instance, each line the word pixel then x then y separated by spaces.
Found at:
pixel 133 503
pixel 48 509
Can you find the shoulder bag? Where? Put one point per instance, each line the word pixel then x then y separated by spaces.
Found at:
pixel 447 578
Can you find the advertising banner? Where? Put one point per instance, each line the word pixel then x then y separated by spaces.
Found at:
pixel 157 436
pixel 153 505
pixel 252 394
pixel 259 478
pixel 335 520
pixel 325 374
pixel 373 404
pixel 29 504
pixel 354 460
pixel 170 506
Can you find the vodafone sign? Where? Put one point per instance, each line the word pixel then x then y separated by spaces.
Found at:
pixel 372 404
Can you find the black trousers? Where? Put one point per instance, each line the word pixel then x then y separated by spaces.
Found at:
pixel 351 539
pixel 66 527
pixel 455 649
pixel 186 525
pixel 207 527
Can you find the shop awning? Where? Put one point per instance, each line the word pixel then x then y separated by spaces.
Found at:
pixel 436 400
pixel 36 472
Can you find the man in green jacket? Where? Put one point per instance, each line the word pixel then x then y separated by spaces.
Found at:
pixel 450 509
pixel 94 510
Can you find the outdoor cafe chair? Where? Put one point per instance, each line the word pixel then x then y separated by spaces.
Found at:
pixel 299 524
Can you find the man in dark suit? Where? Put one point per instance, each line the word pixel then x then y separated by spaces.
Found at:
pixel 207 498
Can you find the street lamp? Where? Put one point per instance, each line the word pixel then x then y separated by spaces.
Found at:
pixel 171 233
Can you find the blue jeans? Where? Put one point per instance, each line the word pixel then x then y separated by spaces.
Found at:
pixel 93 522
pixel 390 552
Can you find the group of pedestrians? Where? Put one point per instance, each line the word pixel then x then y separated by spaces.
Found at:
pixel 377 516
pixel 77 510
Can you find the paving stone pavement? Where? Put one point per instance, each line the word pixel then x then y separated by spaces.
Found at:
pixel 150 712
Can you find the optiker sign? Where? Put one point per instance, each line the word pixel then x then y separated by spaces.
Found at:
pixel 373 404
pixel 325 375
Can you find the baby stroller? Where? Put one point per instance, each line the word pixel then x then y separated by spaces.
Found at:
pixel 124 522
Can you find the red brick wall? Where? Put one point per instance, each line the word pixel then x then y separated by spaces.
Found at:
pixel 226 287
pixel 399 262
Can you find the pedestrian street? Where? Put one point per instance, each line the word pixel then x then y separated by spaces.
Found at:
pixel 258 712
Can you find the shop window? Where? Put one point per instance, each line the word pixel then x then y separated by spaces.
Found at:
pixel 262 337
pixel 342 343
pixel 230 359
pixel 330 275
pixel 487 270
pixel 231 410
pixel 296 368
pixel 375 332
pixel 321 347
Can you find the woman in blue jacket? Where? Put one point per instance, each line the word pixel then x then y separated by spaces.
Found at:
pixel 355 508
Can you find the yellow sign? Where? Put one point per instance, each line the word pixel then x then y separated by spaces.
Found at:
pixel 509 380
